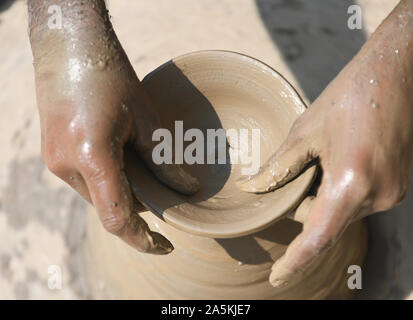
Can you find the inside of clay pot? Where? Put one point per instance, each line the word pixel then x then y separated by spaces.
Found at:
pixel 213 90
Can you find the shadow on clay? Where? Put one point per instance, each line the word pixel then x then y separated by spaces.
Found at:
pixel 247 250
pixel 5 4
pixel 201 115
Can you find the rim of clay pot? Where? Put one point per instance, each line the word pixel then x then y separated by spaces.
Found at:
pixel 227 229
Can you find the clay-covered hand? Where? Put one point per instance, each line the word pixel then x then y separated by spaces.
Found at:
pixel 92 108
pixel 361 130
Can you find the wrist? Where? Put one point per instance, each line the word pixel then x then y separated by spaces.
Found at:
pixel 387 57
pixel 393 40
pixel 86 36
pixel 70 24
pixel 75 15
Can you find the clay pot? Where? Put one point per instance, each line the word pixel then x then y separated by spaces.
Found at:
pixel 225 240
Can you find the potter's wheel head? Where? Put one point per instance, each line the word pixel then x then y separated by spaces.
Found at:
pixel 213 90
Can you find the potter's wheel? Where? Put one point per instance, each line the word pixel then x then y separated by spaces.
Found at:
pixel 212 90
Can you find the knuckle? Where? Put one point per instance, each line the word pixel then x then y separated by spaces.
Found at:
pixel 53 159
pixel 54 166
pixel 405 190
pixel 361 186
pixel 397 194
pixel 93 172
pixel 402 191
pixel 352 185
pixel 86 150
pixel 113 224
pixel 90 162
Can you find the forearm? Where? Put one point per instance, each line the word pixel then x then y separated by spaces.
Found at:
pixel 77 14
pixel 382 71
pixel 389 52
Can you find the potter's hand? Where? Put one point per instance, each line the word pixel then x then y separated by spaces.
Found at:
pixel 361 130
pixel 91 106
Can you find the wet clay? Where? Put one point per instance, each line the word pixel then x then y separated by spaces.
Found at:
pixel 225 240
pixel 213 90
pixel 206 268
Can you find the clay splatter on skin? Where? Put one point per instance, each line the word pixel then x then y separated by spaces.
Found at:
pixel 374 104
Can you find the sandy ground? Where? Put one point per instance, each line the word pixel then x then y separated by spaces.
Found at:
pixel 42 220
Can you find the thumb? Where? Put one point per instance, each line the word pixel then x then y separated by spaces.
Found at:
pixel 293 155
pixel 173 175
pixel 110 193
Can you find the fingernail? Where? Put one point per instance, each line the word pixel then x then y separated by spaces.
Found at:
pixel 281 276
pixel 277 276
pixel 278 283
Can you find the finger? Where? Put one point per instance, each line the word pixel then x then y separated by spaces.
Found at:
pixel 293 155
pixel 324 224
pixel 149 241
pixel 76 181
pixel 110 193
pixel 173 175
pixel 65 171
pixel 303 211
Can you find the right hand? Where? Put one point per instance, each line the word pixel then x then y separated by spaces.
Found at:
pixel 361 131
